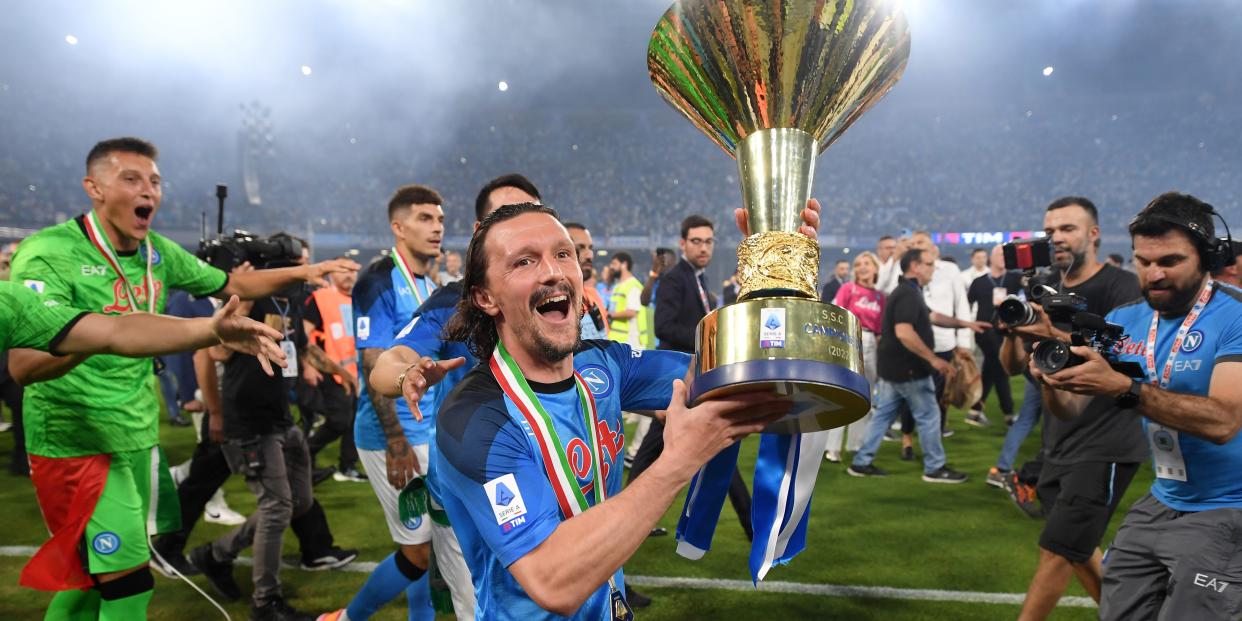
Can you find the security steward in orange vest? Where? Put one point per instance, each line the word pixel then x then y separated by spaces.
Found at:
pixel 330 324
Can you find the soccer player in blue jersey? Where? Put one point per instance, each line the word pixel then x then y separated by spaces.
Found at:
pixel 420 331
pixel 1178 554
pixel 528 450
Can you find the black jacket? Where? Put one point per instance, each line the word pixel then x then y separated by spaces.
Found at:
pixel 679 308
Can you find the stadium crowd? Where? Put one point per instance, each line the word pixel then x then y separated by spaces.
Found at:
pixel 623 172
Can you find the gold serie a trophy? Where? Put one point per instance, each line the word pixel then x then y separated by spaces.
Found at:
pixel 773 83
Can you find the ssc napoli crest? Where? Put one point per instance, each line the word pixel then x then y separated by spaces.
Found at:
pixel 155 254
pixel 1193 340
pixel 597 379
pixel 106 543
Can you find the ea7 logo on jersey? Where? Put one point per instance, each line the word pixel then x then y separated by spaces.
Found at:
pixel 506 501
pixel 1186 365
pixel 94 270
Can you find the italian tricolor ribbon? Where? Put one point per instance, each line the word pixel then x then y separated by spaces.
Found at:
pixel 409 276
pixel 99 239
pixel 556 463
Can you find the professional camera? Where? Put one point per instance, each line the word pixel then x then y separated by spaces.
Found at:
pixel 1088 330
pixel 1028 255
pixel 226 253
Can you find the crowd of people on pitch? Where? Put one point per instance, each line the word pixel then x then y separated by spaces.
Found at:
pixel 928 323
pixel 434 370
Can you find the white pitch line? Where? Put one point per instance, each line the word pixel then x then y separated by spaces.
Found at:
pixel 836 590
pixel 771 586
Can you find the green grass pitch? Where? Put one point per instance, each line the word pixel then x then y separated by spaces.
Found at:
pixel 894 532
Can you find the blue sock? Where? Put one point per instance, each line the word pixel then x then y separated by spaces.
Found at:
pixel 418 595
pixel 382 586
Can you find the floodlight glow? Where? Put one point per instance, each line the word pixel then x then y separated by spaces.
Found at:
pixel 71 40
pixel 1048 71
pixel 306 70
pixel 503 86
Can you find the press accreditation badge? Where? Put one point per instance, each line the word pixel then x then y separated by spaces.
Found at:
pixel 1166 452
pixel 998 295
pixel 291 359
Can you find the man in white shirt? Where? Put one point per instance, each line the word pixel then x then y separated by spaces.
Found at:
pixel 889 253
pixel 946 295
pixel 978 267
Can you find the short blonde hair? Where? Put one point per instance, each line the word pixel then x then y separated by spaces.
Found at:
pixel 875 261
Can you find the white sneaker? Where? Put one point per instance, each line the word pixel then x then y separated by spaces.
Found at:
pixel 179 473
pixel 5 426
pixel 217 511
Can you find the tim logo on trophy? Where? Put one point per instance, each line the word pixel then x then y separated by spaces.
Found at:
pixel 773 83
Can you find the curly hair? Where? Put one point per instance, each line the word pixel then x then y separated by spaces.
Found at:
pixel 469 323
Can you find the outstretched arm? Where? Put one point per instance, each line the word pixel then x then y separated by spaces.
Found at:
pixel 586 550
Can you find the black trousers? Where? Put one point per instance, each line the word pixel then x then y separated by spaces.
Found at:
pixel 208 471
pixel 337 409
pixel 993 373
pixel 653 445
pixel 11 396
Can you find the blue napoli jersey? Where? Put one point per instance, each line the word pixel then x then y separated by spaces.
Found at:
pixel 1212 480
pixel 491 473
pixel 425 335
pixel 383 305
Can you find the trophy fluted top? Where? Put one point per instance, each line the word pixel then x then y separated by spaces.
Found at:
pixel 734 67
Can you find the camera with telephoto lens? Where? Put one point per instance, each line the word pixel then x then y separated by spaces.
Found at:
pixel 226 253
pixel 1030 256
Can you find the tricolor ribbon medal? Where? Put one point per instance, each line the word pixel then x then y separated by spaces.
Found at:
pixel 409 276
pixel 99 239
pixel 556 463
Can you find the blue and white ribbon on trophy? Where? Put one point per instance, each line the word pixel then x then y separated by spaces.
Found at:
pixel 785 474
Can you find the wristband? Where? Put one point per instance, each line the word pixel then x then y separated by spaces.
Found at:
pixel 401 378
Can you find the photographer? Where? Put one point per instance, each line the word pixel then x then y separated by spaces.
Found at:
pixel 1090 452
pixel 1177 555
pixel 266 447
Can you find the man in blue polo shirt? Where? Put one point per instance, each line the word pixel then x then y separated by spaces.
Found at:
pixel 1178 554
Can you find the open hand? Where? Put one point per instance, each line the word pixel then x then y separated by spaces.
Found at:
pixel 315 272
pixel 422 375
pixel 247 336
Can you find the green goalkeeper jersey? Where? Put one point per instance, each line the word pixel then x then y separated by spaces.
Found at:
pixel 29 320
pixel 107 404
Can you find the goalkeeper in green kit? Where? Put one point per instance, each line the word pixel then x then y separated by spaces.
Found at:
pixel 93 422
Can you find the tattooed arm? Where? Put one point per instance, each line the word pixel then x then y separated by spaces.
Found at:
pixel 318 358
pixel 399 455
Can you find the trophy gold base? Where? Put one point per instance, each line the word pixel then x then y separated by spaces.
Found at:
pixel 807 350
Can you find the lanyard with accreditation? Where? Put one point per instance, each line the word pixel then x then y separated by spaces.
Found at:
pixel 1166 449
pixel 568 494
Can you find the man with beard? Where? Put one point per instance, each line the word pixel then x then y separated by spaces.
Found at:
pixel 91 419
pixel 404 570
pixel 1177 555
pixel 595 319
pixel 1090 453
pixel 537 544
